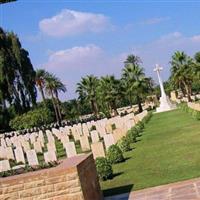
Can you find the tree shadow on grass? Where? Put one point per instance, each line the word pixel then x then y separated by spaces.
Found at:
pixel 118 190
pixel 138 140
pixel 127 158
pixel 117 174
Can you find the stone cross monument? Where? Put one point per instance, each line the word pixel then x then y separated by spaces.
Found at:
pixel 165 103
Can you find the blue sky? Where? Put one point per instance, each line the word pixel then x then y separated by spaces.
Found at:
pixel 76 38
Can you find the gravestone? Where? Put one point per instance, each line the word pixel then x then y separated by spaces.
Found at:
pixel 9 153
pixel 94 136
pixel 101 131
pixel 37 146
pixel 64 139
pixel 85 146
pixel 2 153
pixel 109 128
pixel 70 149
pixel 32 157
pixel 50 156
pixel 19 155
pixel 4 165
pixel 26 146
pixel 51 146
pixel 108 140
pixel 98 150
pixel 118 134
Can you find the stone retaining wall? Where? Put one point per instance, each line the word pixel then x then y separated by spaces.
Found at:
pixel 74 179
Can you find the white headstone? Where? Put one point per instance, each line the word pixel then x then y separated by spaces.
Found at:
pixel 70 149
pixel 9 153
pixel 37 146
pixel 85 145
pixel 98 149
pixel 50 156
pixel 19 155
pixel 108 140
pixel 32 157
pixel 4 165
pixel 51 146
pixel 94 136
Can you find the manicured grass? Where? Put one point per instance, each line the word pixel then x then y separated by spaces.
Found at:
pixel 168 151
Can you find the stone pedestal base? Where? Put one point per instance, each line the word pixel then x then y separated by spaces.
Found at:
pixel 165 104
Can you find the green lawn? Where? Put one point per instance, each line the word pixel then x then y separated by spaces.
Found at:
pixel 168 151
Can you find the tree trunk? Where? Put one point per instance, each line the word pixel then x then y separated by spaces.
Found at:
pixel 139 104
pixel 54 106
pixel 58 107
pixel 114 108
pixel 94 107
pixel 187 88
pixel 42 93
pixel 182 89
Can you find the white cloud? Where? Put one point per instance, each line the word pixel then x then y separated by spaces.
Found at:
pixel 76 57
pixel 155 20
pixel 72 64
pixel 161 50
pixel 70 22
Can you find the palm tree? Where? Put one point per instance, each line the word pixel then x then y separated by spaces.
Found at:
pixel 135 60
pixel 40 81
pixel 182 72
pixel 136 84
pixel 58 87
pixel 109 90
pixel 49 88
pixel 87 90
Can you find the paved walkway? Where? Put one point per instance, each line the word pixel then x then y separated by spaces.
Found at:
pixel 185 190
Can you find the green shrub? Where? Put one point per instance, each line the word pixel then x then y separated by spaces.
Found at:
pixel 196 114
pixel 124 144
pixel 140 124
pixel 132 135
pixel 34 118
pixel 104 168
pixel 114 154
pixel 147 117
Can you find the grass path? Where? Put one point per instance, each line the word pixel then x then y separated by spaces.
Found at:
pixel 168 151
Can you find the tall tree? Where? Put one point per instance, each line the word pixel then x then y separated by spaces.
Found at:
pixel 52 87
pixel 40 81
pixel 109 92
pixel 87 90
pixel 58 87
pixel 17 76
pixel 182 72
pixel 136 84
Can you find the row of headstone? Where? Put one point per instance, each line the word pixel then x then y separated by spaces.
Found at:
pixel 102 133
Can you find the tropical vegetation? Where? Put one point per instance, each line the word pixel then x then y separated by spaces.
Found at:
pixel 98 97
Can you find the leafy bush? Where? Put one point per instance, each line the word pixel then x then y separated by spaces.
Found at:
pixel 132 135
pixel 114 154
pixel 104 168
pixel 124 144
pixel 33 118
pixel 140 124
pixel 147 118
pixel 195 113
